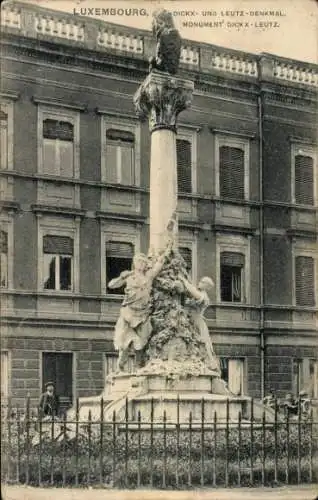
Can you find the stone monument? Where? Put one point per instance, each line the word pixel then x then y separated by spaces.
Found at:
pixel 162 314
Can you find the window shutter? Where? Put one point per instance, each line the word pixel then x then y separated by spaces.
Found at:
pixel 61 245
pixel 4 140
pixel 305 282
pixel 127 162
pixel 304 180
pixel 50 165
pixel 111 163
pixel 4 242
pixel 231 172
pixel 54 129
pixel 66 159
pixel 232 259
pixel 186 254
pixel 119 249
pixel 184 166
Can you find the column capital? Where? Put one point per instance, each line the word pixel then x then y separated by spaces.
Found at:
pixel 162 97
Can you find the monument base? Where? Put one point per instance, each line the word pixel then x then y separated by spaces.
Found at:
pixel 154 395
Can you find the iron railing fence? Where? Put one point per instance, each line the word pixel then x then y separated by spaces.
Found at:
pixel 165 454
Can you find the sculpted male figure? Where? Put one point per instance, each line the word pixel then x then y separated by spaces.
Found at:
pixel 133 326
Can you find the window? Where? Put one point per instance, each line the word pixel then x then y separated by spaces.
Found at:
pixel 305 281
pixel 110 364
pixel 119 256
pixel 4 375
pixel 304 180
pixel 58 148
pixel 305 376
pixel 231 174
pixel 4 139
pixel 231 276
pixel 184 165
pixel 4 259
pixel 58 262
pixel 186 254
pixel 58 368
pixel 120 157
pixel 232 371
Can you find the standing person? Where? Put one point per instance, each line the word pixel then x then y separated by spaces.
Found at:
pixel 49 404
pixel 197 302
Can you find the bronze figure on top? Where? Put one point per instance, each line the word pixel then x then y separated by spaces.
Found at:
pixel 168 47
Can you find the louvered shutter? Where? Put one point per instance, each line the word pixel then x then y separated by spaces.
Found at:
pixel 54 129
pixel 127 163
pixel 186 254
pixel 50 164
pixel 3 242
pixel 305 281
pixel 232 259
pixel 119 250
pixel 111 163
pixel 4 140
pixel 231 172
pixel 184 166
pixel 304 180
pixel 61 245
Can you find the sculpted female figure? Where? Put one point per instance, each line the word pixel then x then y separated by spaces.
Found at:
pixel 197 302
pixel 133 326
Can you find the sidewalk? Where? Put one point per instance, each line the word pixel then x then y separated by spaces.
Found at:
pixel 290 493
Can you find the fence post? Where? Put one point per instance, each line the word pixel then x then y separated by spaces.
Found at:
pixel 76 440
pixel 275 441
pixel 214 447
pixel 126 443
pixel 227 442
pixel 64 450
pixel 310 445
pixel 202 443
pixel 239 448
pixel 178 441
pixel 19 444
pixel 27 475
pixel 263 446
pixel 114 448
pixel 151 441
pixel 40 446
pixel 52 451
pixel 164 470
pixel 287 446
pixel 89 431
pixel 299 442
pixel 190 450
pixel 252 442
pixel 139 450
pixel 101 442
pixel 9 453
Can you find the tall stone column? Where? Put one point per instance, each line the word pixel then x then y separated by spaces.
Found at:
pixel 162 97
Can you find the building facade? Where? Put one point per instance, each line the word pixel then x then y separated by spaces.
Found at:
pixel 75 202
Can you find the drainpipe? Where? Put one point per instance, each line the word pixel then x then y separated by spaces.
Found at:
pixel 261 234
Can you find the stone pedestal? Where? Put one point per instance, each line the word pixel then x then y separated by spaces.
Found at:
pixel 161 97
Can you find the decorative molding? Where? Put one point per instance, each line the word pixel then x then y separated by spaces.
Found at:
pixel 64 211
pixel 115 216
pixel 10 95
pixel 116 114
pixel 310 234
pixel 53 101
pixel 313 142
pixel 13 206
pixel 240 230
pixel 233 133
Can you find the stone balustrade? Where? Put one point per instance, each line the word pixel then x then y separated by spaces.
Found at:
pixel 11 16
pixel 189 55
pixel 61 27
pixel 295 72
pixel 113 39
pixel 32 21
pixel 240 64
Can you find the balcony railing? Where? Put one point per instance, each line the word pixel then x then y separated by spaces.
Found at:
pixel 35 22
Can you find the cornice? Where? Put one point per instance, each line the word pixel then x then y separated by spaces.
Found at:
pixel 10 206
pixel 233 133
pixel 225 228
pixel 309 234
pixel 10 95
pixel 64 211
pixel 135 218
pixel 53 101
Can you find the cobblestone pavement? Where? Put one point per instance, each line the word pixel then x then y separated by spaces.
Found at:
pixel 290 493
